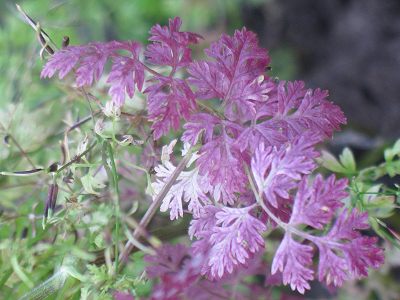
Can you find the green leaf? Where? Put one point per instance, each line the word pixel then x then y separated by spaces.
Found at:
pixel 370 195
pixel 376 203
pixel 20 273
pixel 98 274
pixel 89 183
pixel 390 153
pixel 347 160
pixel 331 163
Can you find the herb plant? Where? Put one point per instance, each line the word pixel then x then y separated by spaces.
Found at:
pixel 246 170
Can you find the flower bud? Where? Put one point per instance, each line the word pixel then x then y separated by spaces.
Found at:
pixel 65 42
pixel 69 178
pixel 99 126
pixel 6 141
pixel 110 110
pixel 53 168
pixel 128 139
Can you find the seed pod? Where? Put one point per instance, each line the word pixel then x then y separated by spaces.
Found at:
pixel 24 233
pixel 48 200
pixel 54 197
pixel 62 151
pixel 43 42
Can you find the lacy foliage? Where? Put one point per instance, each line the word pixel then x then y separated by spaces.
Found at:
pixel 256 150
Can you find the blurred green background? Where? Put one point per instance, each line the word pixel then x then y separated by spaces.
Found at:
pixel 34 110
pixel 101 20
pixel 349 47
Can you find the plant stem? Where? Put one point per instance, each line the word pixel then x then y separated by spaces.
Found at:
pixel 88 103
pixel 130 164
pixel 77 158
pixel 19 147
pixel 114 171
pixel 156 204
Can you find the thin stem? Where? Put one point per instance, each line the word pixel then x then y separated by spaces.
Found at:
pixel 77 158
pixel 150 70
pixel 260 201
pixel 37 28
pixel 88 103
pixel 114 140
pixel 83 121
pixel 211 110
pixel 114 171
pixel 19 147
pixel 130 164
pixel 6 276
pixel 286 226
pixel 156 204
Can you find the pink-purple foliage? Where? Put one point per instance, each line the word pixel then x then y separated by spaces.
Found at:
pixel 251 173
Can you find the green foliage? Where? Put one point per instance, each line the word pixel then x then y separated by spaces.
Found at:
pixel 367 191
pixel 346 163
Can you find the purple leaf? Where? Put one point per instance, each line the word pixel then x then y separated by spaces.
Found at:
pixel 234 77
pixel 219 192
pixel 93 59
pixel 275 169
pixel 239 55
pixel 313 113
pixel 169 100
pixel 200 123
pixel 291 258
pixel 316 206
pixel 185 188
pixel 122 73
pixel 167 260
pixel 210 82
pixel 283 211
pixel 251 137
pixel 170 45
pixel 176 269
pixel 206 290
pixel 206 221
pixel 66 59
pixel 122 296
pixel 232 243
pixel 220 159
pixel 359 252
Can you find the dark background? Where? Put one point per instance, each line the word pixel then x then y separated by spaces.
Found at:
pixel 351 48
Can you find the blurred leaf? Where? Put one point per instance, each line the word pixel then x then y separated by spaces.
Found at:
pixel 331 163
pixel 347 160
pixel 89 183
pixel 390 153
